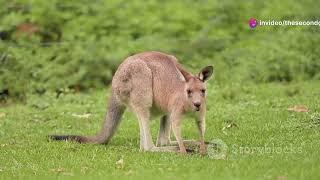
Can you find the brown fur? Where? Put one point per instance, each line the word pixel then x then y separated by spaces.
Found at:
pixel 148 82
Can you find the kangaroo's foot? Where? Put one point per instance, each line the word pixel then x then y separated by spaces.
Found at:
pixel 165 149
pixel 186 142
pixel 172 149
pixel 192 146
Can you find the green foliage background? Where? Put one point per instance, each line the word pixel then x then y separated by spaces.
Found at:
pixel 80 43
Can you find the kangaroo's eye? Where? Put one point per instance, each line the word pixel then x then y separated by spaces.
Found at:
pixel 189 92
pixel 203 91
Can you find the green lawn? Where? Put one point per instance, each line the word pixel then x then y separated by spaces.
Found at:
pixel 264 139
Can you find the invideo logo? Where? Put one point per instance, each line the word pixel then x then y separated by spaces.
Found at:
pixel 253 23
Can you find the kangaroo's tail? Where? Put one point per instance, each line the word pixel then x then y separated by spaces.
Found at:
pixel 112 120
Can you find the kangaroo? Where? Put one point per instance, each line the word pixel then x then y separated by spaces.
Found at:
pixel 154 82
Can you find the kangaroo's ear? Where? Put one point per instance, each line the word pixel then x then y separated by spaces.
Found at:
pixel 206 73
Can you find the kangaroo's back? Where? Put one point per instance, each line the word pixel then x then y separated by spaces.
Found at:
pixel 153 71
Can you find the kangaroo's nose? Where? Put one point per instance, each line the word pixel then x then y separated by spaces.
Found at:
pixel 197 105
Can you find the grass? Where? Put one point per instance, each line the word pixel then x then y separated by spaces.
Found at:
pixel 264 139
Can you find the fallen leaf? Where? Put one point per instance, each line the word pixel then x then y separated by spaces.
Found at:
pixel 2 115
pixel 232 124
pixel 59 170
pixel 27 28
pixel 228 126
pixel 86 115
pixel 130 172
pixel 281 178
pixel 120 164
pixel 84 169
pixel 298 108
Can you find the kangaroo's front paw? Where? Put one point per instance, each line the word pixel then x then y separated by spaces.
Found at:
pixel 182 150
pixel 203 149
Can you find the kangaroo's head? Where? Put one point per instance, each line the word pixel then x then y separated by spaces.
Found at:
pixel 195 88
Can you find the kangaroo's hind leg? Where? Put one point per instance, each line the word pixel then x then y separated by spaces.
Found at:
pixel 142 109
pixel 143 116
pixel 146 143
pixel 140 101
pixel 164 132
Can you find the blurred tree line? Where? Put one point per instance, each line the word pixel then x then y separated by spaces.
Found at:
pixel 77 44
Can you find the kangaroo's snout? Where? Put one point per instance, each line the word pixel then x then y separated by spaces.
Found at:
pixel 197 105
